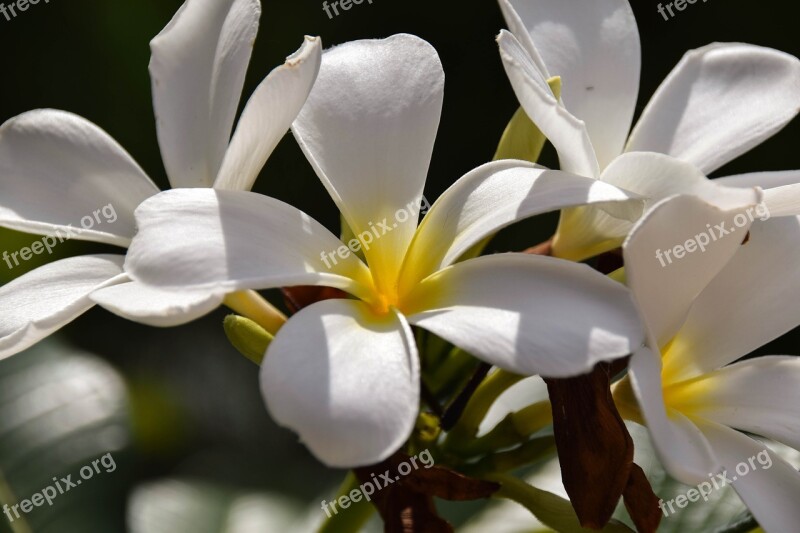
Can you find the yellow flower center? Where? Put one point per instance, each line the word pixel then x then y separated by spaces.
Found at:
pixel 385 292
pixel 681 394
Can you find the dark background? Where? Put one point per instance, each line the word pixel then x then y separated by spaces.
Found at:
pixel 193 404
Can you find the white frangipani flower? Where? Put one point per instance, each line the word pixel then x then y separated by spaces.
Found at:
pixel 719 102
pixel 703 313
pixel 345 373
pixel 57 168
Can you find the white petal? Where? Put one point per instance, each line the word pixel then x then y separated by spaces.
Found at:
pixel 492 197
pixel 719 102
pixel 268 115
pixel 656 176
pixel 197 69
pixel 760 396
pixel 753 301
pixel 346 380
pixel 529 314
pixel 566 132
pixel 770 489
pixel 665 280
pixel 61 170
pixel 156 307
pixel 765 180
pixel 783 201
pixel 50 297
pixel 232 240
pixel 594 47
pixel 683 450
pixel 520 32
pixel 368 130
pixel 587 231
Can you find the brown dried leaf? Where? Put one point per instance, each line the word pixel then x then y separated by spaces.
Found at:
pixel 450 485
pixel 641 502
pixel 594 447
pixel 407 505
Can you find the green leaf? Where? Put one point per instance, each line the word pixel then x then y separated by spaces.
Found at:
pixel 248 337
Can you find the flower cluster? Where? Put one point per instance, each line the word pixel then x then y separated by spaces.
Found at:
pixel 361 376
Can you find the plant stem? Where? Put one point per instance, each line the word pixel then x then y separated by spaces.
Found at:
pixel 527 453
pixel 451 372
pixel 19 525
pixel 456 408
pixel 551 510
pixel 252 305
pixel 516 428
pixel 352 519
pixel 477 406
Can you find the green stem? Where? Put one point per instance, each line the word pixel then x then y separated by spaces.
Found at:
pixel 527 453
pixel 349 520
pixel 516 428
pixel 453 371
pixel 19 525
pixel 539 502
pixel 551 510
pixel 487 393
pixel 433 348
pixel 533 418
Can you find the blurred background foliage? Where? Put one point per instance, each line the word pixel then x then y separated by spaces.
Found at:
pixel 179 409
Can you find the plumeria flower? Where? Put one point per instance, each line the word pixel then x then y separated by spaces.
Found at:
pixel 345 373
pixel 703 313
pixel 719 102
pixel 58 168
